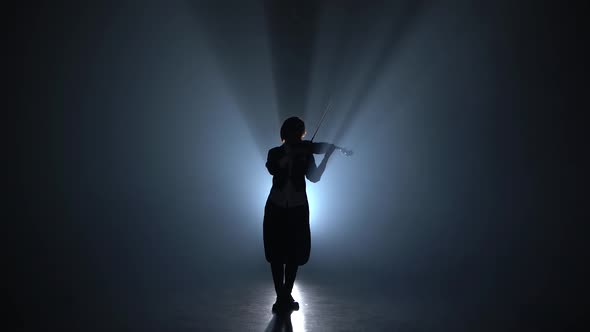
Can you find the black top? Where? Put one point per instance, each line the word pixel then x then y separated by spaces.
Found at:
pixel 303 165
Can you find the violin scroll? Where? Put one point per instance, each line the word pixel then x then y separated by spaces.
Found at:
pixel 344 151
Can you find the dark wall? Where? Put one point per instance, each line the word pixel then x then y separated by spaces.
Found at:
pixel 141 142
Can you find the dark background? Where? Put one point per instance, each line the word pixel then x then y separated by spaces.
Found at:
pixel 142 128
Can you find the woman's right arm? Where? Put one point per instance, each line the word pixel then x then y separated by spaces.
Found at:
pixel 314 173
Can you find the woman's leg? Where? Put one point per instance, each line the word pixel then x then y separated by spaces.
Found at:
pixel 290 274
pixel 277 277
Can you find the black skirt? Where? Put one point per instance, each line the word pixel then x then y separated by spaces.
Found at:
pixel 287 237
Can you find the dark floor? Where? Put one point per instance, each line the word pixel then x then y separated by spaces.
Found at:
pixel 326 304
pixel 323 307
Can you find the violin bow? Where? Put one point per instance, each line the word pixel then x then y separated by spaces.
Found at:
pixel 344 151
pixel 328 107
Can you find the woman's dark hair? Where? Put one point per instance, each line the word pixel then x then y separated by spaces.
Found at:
pixel 292 128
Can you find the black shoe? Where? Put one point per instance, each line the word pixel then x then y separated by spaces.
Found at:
pixel 283 304
pixel 277 305
pixel 291 303
pixel 280 305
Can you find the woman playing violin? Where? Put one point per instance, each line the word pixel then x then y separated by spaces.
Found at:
pixel 286 232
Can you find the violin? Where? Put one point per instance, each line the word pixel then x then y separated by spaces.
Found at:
pixel 316 147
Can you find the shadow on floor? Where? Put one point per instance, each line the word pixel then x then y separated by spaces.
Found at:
pixel 280 322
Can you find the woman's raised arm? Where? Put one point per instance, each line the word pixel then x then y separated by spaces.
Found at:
pixel 314 173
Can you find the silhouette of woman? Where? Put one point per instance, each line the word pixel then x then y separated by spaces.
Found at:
pixel 286 233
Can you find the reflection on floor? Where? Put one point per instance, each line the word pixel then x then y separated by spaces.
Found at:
pixel 226 302
pixel 323 307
